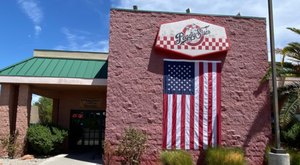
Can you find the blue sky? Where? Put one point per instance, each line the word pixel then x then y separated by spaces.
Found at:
pixel 84 24
pixel 51 24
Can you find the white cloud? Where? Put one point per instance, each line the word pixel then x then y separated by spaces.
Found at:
pixel 82 41
pixel 37 29
pixel 285 12
pixel 34 12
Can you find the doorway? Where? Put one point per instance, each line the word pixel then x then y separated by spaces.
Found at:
pixel 87 131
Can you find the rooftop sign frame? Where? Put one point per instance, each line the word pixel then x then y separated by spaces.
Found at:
pixel 192 38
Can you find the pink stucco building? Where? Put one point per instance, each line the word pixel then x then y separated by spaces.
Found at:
pixel 135 80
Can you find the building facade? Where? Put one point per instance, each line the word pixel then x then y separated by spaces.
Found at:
pixel 136 73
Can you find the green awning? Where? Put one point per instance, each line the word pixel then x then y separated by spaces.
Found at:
pixel 58 68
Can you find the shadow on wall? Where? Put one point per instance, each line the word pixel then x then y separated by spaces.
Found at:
pixel 262 120
pixel 157 57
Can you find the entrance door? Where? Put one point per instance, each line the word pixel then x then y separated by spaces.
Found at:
pixel 87 130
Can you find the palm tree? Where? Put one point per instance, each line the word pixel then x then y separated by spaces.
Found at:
pixel 291 68
pixel 289 94
pixel 292 50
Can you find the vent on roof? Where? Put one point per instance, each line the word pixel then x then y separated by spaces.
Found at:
pixel 135 7
pixel 188 10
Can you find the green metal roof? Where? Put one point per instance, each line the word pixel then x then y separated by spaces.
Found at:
pixel 59 68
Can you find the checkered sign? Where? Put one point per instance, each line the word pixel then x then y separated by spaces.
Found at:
pixel 192 37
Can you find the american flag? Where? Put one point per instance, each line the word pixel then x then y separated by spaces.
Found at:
pixel 191 110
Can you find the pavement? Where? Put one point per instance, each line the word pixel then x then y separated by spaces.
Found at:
pixel 74 159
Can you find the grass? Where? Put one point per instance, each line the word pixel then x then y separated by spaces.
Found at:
pixel 224 156
pixel 176 157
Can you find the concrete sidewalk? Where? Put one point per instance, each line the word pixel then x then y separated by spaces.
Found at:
pixel 74 159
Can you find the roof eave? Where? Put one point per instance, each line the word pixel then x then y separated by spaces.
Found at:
pixel 52 80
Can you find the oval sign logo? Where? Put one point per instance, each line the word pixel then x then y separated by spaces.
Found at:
pixel 192 38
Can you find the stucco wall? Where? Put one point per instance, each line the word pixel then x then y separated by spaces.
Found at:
pixel 6 94
pixel 135 81
pixel 22 118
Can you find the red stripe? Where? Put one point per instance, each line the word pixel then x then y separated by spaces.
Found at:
pixel 174 121
pixel 192 113
pixel 165 121
pixel 182 133
pixel 209 104
pixel 201 87
pixel 219 103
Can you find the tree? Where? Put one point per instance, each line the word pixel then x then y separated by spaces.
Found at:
pixel 292 50
pixel 291 68
pixel 45 106
pixel 289 94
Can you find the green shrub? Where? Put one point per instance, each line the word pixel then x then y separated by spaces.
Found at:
pixel 176 157
pixel 45 139
pixel 291 136
pixel 294 157
pixel 132 146
pixel 224 156
pixel 266 156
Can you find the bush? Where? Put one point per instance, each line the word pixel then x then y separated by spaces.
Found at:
pixel 291 136
pixel 294 157
pixel 224 156
pixel 45 139
pixel 176 157
pixel 266 156
pixel 132 146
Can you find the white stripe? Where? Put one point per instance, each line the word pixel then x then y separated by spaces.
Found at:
pixel 205 105
pixel 187 121
pixel 169 125
pixel 193 61
pixel 196 107
pixel 178 122
pixel 214 105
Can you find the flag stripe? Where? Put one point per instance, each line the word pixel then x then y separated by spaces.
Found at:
pixel 196 107
pixel 214 105
pixel 201 105
pixel 165 121
pixel 174 121
pixel 192 118
pixel 205 105
pixel 178 121
pixel 209 127
pixel 170 122
pixel 182 130
pixel 187 122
